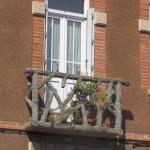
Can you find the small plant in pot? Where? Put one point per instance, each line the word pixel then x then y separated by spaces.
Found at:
pixel 84 92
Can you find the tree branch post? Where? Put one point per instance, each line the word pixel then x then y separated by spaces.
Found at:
pixel 34 88
pixel 118 113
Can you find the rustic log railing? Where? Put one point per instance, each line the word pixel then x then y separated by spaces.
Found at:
pixel 40 114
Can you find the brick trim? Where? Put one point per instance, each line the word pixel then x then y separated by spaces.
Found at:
pixel 137 137
pixel 7 125
pixel 12 126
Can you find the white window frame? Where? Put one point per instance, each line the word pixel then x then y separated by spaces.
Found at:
pixel 64 16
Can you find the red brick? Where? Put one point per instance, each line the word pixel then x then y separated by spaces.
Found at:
pixel 144 9
pixel 145 60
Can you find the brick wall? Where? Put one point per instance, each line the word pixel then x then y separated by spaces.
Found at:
pixel 38 42
pixel 144 47
pixel 144 10
pixel 99 41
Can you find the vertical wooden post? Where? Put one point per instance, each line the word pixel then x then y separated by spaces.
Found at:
pixel 84 115
pixel 110 90
pixel 34 88
pixel 118 113
pixel 99 116
pixel 47 107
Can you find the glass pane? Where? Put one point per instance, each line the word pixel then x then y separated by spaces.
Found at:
pixel 55 66
pixel 69 68
pixel 77 69
pixel 70 41
pixel 75 6
pixel 56 38
pixel 77 42
pixel 53 43
pixel 48 66
pixel 49 38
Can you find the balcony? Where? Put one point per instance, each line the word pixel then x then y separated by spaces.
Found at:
pixel 89 116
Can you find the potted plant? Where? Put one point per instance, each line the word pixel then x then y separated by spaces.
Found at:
pixel 85 92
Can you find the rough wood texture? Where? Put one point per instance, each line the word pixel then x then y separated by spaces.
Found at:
pixel 63 81
pixel 84 115
pixel 99 116
pixel 73 128
pixel 110 90
pixel 113 87
pixel 74 77
pixel 34 88
pixel 47 107
pixel 118 113
pixel 51 87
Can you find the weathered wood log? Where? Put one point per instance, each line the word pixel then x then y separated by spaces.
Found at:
pixel 118 112
pixel 51 87
pixel 69 97
pixel 34 88
pixel 47 79
pixel 110 90
pixel 64 79
pixel 75 77
pixel 72 127
pixel 99 116
pixel 71 110
pixel 84 115
pixel 29 102
pixel 47 107
pixel 67 100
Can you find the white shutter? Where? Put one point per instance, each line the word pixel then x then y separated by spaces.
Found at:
pixel 89 45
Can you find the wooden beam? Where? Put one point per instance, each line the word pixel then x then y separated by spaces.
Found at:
pixel 75 77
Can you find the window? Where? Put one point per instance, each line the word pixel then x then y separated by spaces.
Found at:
pixel 76 6
pixel 66 40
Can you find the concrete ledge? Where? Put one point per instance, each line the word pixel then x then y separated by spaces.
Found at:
pixel 100 18
pixel 38 8
pixel 144 25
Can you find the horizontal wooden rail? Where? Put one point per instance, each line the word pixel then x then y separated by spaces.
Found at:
pixel 74 77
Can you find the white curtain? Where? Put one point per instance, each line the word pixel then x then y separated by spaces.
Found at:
pixel 73 47
pixel 53 44
pixel 56 45
pixel 77 48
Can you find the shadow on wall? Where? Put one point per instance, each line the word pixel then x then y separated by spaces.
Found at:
pixel 127 115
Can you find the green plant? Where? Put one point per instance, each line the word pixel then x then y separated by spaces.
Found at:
pixel 84 90
pixel 102 97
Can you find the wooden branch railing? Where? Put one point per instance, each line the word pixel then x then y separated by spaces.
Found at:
pixel 38 79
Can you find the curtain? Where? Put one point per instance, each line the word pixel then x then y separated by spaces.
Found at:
pixel 77 47
pixel 53 44
pixel 69 46
pixel 49 38
pixel 56 45
pixel 73 46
